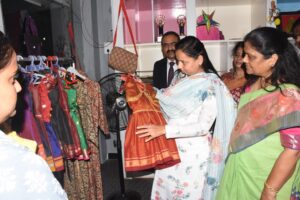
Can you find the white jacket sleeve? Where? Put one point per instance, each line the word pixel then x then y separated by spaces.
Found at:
pixel 198 123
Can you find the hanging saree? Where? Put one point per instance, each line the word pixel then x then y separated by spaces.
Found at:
pixel 266 123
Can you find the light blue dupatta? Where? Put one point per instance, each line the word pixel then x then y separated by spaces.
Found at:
pixel 183 97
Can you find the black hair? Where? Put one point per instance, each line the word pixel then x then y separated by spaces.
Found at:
pixel 193 47
pixel 6 51
pixel 249 77
pixel 169 33
pixel 269 41
pixel 234 51
pixel 295 24
pixel 236 47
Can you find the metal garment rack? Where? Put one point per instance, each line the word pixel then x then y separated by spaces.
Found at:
pixel 36 59
pixel 67 63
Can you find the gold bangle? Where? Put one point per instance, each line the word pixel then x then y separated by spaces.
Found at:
pixel 270 188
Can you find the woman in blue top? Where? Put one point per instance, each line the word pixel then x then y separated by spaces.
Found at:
pixel 26 175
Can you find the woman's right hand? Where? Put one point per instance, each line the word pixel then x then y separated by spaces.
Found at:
pixel 150 131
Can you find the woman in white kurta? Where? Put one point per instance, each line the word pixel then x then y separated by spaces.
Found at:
pixel 190 106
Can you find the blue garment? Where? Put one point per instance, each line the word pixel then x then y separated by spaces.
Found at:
pixel 25 175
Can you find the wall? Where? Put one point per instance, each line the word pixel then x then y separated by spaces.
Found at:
pixel 142 16
pixel 259 11
pixel 92 29
pixel 228 17
pixel 60 16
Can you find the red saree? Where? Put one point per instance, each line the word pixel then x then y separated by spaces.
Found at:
pixel 140 155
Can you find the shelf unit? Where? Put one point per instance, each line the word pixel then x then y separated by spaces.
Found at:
pixel 219 52
pixel 236 19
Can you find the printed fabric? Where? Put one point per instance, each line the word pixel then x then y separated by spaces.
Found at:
pixel 27 175
pixel 190 106
pixel 256 119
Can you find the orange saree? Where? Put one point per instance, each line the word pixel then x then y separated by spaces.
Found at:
pixel 140 155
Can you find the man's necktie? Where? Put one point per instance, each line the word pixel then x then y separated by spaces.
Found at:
pixel 171 73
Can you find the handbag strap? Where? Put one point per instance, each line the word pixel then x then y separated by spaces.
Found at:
pixel 122 7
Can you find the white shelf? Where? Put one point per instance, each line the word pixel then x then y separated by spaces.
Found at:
pixel 219 52
pixel 222 2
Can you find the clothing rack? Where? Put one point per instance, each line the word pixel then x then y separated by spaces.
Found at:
pixel 67 63
pixel 44 59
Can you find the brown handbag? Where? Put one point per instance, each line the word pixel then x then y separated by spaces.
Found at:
pixel 119 58
pixel 122 60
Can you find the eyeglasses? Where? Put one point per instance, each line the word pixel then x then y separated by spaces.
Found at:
pixel 172 44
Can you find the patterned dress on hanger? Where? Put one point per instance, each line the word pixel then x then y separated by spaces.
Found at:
pixel 84 179
pixel 140 155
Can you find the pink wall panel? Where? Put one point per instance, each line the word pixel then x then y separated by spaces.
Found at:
pixel 142 22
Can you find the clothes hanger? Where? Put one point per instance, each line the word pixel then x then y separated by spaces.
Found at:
pixel 36 78
pixel 75 72
pixel 56 61
pixel 32 67
pixel 40 66
pixel 61 71
pixel 44 58
pixel 19 58
pixel 22 69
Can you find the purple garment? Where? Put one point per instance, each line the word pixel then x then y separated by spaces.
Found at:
pixel 31 37
pixel 24 121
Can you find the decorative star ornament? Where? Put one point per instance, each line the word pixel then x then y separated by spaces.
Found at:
pixel 207 20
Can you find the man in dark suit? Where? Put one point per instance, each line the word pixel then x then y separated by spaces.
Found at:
pixel 164 69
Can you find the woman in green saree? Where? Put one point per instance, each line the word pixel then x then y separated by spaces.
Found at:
pixel 265 141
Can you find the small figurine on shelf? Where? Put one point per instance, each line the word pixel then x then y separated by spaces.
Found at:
pixel 181 19
pixel 160 21
pixel 207 28
pixel 273 17
pixel 207 20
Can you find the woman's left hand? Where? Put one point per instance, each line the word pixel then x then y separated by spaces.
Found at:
pixel 267 194
pixel 150 131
